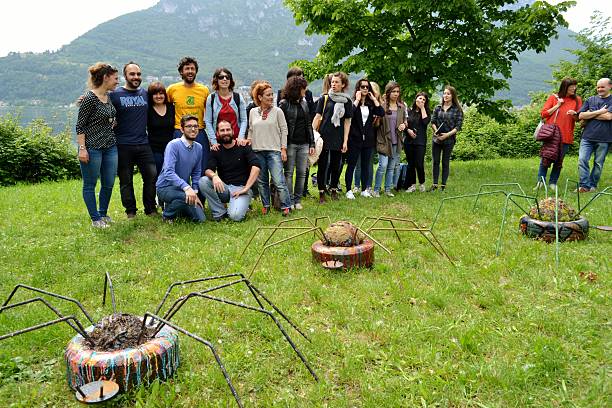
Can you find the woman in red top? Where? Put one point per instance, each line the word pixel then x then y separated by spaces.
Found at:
pixel 561 109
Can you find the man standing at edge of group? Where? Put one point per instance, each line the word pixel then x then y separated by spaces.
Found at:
pixel 131 103
pixel 230 173
pixel 189 98
pixel 177 184
pixel 597 135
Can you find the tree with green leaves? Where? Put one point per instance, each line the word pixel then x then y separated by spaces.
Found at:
pixel 594 59
pixel 424 45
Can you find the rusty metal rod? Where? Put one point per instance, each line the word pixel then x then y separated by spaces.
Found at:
pixel 109 282
pixel 43 301
pixel 49 294
pixel 206 343
pixel 47 324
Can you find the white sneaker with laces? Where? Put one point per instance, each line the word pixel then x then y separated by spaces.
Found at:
pixel 350 195
pixel 356 190
pixel 389 194
pixel 422 188
pixel 298 206
pixel 375 194
pixel 411 189
pixel 366 193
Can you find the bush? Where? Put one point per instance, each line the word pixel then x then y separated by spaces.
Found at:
pixel 33 155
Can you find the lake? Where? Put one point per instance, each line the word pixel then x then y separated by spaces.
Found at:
pixel 59 118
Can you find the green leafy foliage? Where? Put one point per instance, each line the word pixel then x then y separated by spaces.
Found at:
pixel 594 58
pixel 425 45
pixel 33 155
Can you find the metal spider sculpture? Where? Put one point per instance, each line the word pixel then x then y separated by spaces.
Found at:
pixel 532 201
pixel 367 231
pixel 151 323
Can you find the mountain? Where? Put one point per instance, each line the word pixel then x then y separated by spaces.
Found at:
pixel 254 38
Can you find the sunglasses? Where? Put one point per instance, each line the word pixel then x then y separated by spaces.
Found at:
pixel 364 87
pixel 222 77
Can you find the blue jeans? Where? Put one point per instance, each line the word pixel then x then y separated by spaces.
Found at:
pixel 297 158
pixel 175 205
pixel 272 165
pixel 103 165
pixel 556 170
pixel 396 165
pixel 587 148
pixel 386 167
pixel 238 206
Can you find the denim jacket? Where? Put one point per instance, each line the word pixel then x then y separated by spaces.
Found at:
pixel 210 117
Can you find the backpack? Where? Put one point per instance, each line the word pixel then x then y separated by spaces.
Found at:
pixel 236 101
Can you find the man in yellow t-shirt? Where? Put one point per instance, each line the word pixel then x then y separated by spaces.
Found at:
pixel 189 98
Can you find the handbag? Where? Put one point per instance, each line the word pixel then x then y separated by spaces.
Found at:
pixel 545 131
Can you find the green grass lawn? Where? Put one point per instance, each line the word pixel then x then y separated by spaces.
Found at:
pixel 414 331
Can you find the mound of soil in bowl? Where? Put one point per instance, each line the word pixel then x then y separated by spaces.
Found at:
pixel 119 331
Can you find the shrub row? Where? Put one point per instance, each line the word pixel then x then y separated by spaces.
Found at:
pixel 32 154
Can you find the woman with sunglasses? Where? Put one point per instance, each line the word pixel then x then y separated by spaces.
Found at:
pixel 225 104
pixel 362 137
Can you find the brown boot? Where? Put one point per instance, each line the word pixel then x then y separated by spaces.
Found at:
pixel 334 194
pixel 322 197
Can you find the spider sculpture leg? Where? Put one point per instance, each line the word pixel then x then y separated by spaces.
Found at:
pixel 255 292
pixel 44 292
pixel 208 344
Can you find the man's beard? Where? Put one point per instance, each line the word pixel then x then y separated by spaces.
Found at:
pixel 187 79
pixel 227 139
pixel 135 83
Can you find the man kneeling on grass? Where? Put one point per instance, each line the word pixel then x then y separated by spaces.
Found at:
pixel 177 184
pixel 229 175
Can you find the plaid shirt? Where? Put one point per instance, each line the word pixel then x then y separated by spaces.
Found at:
pixel 452 119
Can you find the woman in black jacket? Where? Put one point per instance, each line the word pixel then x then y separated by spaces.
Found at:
pixel 300 139
pixel 362 137
pixel 414 145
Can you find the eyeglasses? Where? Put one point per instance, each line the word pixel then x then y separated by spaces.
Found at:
pixel 191 126
pixel 364 87
pixel 222 77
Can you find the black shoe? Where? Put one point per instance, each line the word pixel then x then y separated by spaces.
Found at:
pixel 433 187
pixel 224 216
pixel 442 187
pixel 334 194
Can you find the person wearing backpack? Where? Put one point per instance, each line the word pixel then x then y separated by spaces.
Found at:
pixel 561 109
pixel 225 104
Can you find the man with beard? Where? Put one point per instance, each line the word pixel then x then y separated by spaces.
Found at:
pixel 597 135
pixel 189 98
pixel 133 147
pixel 230 173
pixel 177 184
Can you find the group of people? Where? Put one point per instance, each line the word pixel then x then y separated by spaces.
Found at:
pixel 193 146
pixel 564 109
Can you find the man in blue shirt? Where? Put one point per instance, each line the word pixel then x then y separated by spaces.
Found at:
pixel 597 135
pixel 177 184
pixel 131 103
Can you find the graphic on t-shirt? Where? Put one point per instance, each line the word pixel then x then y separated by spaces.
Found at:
pixel 132 101
pixel 190 100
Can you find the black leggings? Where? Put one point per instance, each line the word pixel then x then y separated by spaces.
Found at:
pixel 354 155
pixel 446 150
pixel 329 159
pixel 415 155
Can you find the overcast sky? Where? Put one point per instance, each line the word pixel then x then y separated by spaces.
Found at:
pixel 40 25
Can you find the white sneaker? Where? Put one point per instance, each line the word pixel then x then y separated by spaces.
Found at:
pixel 366 193
pixel 356 190
pixel 375 194
pixel 99 224
pixel 350 195
pixel 411 189
pixel 552 187
pixel 298 206
pixel 422 188
pixel 389 194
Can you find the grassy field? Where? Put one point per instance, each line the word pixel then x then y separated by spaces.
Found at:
pixel 414 331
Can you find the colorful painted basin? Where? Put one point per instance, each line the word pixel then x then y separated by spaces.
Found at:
pixel 130 367
pixel 357 256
